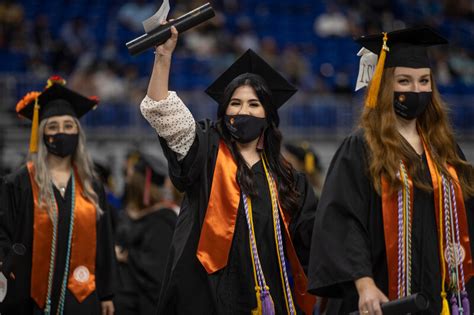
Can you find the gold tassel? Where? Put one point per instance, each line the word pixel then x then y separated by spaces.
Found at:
pixel 309 163
pixel 373 93
pixel 445 308
pixel 308 159
pixel 34 129
pixel 258 309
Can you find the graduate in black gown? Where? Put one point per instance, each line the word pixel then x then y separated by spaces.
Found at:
pixel 143 238
pixel 233 176
pixel 56 199
pixel 304 159
pixel 395 214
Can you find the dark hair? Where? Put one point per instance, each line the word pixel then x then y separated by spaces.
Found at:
pixel 284 172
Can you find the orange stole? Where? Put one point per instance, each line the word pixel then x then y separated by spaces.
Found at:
pixel 390 219
pixel 83 247
pixel 219 224
pixel 390 227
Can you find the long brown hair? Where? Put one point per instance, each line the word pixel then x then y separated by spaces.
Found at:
pixel 387 147
pixel 284 172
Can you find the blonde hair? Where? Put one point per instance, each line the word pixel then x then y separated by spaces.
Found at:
pixel 81 160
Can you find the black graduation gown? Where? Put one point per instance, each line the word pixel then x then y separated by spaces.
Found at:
pixel 187 288
pixel 16 227
pixel 147 241
pixel 348 240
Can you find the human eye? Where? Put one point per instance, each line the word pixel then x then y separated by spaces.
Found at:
pixel 68 127
pixel 52 127
pixel 425 81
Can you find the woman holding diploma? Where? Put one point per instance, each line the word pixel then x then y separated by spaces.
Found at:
pixel 242 237
pixel 395 214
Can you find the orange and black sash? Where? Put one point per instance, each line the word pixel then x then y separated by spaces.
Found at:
pixel 219 225
pixel 81 279
pixel 390 221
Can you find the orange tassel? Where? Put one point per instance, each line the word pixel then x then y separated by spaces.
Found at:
pixel 34 129
pixel 372 95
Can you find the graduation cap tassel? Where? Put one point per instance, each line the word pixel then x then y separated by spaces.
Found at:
pixel 146 191
pixel 34 129
pixel 373 93
pixel 465 303
pixel 268 307
pixel 309 163
pixel 454 306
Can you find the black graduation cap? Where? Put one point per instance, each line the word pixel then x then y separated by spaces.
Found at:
pixel 250 62
pixel 156 167
pixel 55 100
pixel 103 171
pixel 401 48
pixel 407 47
pixel 58 100
pixel 305 155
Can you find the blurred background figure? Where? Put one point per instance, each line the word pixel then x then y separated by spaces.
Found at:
pixel 144 232
pixel 104 174
pixel 305 160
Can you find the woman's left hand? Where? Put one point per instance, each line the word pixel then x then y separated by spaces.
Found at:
pixel 121 254
pixel 107 307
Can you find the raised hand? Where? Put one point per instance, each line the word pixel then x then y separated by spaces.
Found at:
pixel 166 49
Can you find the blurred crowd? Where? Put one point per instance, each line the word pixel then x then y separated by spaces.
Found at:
pixel 88 48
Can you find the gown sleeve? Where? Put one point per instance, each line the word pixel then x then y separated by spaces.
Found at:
pixel 106 269
pixel 6 222
pixel 10 203
pixel 469 206
pixel 184 173
pixel 340 249
pixel 15 239
pixel 301 226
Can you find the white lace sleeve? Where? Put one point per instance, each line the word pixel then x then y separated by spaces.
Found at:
pixel 172 121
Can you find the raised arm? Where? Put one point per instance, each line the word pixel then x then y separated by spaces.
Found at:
pixel 158 85
pixel 163 109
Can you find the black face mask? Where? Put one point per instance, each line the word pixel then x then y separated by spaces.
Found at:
pixel 410 105
pixel 61 144
pixel 245 128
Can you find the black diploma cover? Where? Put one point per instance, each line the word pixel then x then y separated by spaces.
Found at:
pixel 409 304
pixel 161 34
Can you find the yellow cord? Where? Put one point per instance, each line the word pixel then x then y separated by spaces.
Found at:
pixel 445 306
pixel 258 289
pixel 272 196
pixel 404 192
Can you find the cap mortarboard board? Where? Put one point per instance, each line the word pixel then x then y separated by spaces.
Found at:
pixel 401 48
pixel 55 100
pixel 157 168
pixel 154 169
pixel 407 47
pixel 305 155
pixel 250 62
